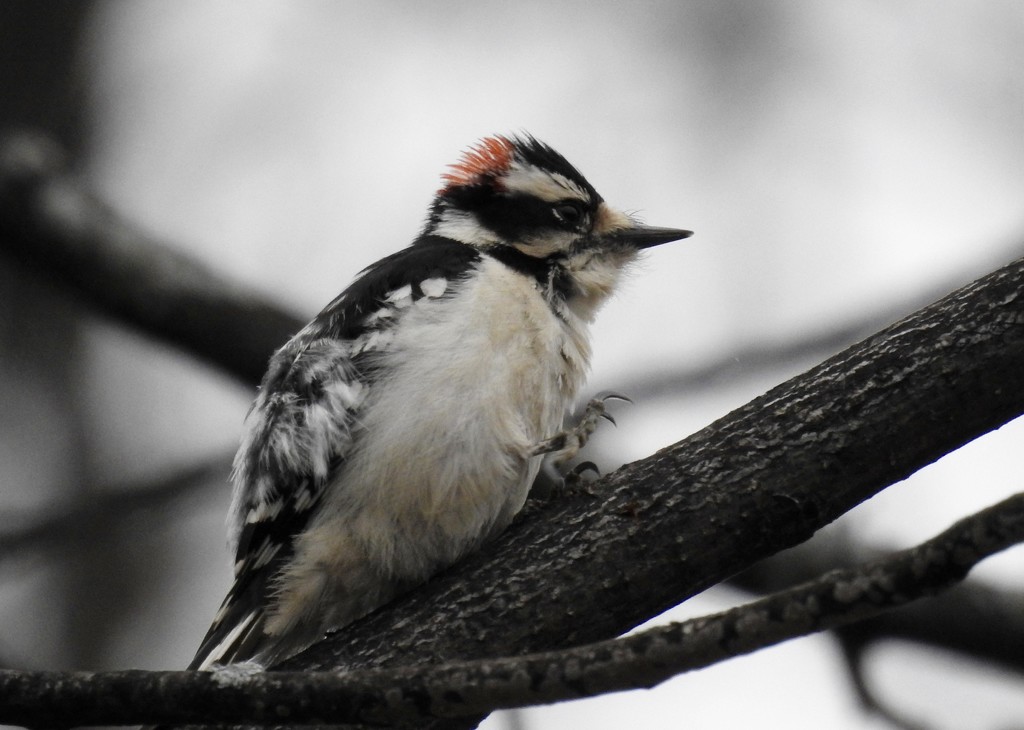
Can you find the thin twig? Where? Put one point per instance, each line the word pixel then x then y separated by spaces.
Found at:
pixel 974 618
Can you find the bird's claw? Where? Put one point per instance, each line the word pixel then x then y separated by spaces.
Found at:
pixel 582 468
pixel 564 446
pixel 575 482
pixel 612 395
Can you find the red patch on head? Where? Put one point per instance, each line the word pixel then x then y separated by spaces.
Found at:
pixel 488 159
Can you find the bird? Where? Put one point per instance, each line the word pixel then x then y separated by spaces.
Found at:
pixel 403 426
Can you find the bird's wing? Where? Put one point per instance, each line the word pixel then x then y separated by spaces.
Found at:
pixel 303 426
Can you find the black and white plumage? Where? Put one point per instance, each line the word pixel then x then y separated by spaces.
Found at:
pixel 400 428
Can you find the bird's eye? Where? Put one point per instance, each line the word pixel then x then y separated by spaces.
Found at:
pixel 568 213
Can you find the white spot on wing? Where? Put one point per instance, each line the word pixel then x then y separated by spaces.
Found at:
pixel 346 395
pixel 218 651
pixel 263 511
pixel 434 288
pixel 328 425
pixel 377 316
pixel 401 297
pixel 265 554
pixel 304 499
pixel 372 340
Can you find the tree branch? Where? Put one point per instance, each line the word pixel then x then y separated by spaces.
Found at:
pixel 49 223
pixel 60 523
pixel 456 689
pixel 672 380
pixel 761 479
pixel 973 618
pixel 757 481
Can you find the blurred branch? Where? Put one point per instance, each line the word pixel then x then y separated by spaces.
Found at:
pixel 750 359
pixel 48 222
pixel 459 689
pixel 757 481
pixel 57 525
pixel 854 655
pixel 973 618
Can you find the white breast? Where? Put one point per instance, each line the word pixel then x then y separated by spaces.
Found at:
pixel 473 381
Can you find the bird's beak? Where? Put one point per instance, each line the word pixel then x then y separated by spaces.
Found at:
pixel 646 236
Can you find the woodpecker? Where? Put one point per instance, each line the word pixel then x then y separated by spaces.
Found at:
pixel 403 426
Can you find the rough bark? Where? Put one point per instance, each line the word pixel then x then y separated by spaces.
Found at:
pixel 761 479
pixel 455 689
pixel 580 570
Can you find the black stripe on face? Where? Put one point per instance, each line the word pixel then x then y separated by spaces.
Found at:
pixel 518 216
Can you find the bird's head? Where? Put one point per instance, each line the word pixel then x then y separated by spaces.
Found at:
pixel 518 193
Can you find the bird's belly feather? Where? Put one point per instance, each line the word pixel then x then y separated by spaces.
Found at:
pixel 470 391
